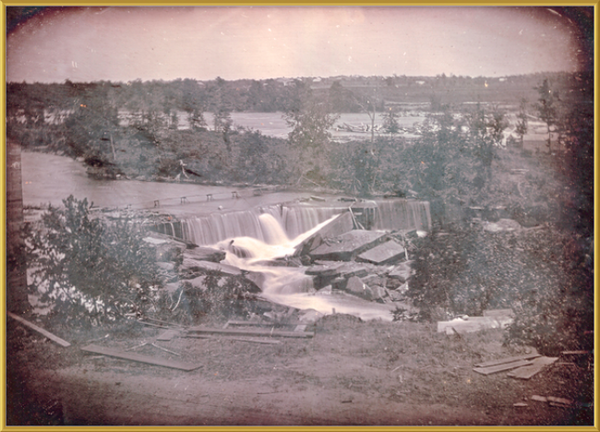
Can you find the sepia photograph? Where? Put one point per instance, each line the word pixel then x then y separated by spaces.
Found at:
pixel 299 215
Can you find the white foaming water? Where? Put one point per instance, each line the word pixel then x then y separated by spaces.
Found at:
pixel 289 285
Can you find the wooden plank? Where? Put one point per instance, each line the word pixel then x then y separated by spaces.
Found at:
pixel 507 360
pixel 251 332
pixel 580 352
pixel 539 398
pixel 259 341
pixel 498 313
pixel 168 335
pixel 40 330
pixel 234 323
pixel 140 358
pixel 501 368
pixel 527 372
pixel 561 401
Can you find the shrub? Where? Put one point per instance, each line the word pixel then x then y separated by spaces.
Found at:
pixel 88 270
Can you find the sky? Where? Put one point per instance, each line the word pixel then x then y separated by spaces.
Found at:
pixel 148 43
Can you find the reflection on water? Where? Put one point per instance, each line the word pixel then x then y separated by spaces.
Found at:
pixel 50 178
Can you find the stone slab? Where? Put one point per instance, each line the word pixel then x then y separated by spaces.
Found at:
pixel 385 253
pixel 347 246
pixel 343 223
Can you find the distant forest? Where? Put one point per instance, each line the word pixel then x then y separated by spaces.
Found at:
pixel 132 130
pixel 343 94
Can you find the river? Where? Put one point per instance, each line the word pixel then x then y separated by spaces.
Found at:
pixel 50 178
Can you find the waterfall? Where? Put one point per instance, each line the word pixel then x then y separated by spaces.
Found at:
pixel 254 238
pixel 277 223
pixel 403 215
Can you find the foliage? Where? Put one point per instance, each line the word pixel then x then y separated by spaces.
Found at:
pixel 217 296
pixel 89 269
pixel 521 127
pixel 311 120
pixel 390 121
pixel 544 275
pixel 555 310
pixel 546 107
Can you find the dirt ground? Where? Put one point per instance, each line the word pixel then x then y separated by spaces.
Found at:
pixel 350 373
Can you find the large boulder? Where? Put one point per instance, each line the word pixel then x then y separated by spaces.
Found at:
pixel 166 249
pixel 402 272
pixel 358 288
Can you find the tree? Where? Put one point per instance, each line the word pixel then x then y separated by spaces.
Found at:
pixel 546 108
pixel 485 135
pixel 522 126
pixel 311 120
pixel 90 270
pixel 390 121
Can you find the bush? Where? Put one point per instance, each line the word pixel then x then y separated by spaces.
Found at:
pixel 545 275
pixel 88 270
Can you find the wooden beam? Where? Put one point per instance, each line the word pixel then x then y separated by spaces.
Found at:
pixel 141 358
pixel 251 332
pixel 40 330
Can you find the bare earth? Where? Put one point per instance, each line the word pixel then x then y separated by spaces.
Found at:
pixel 350 373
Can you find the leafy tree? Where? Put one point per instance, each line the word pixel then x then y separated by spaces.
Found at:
pixel 522 125
pixel 484 137
pixel 390 121
pixel 311 120
pixel 89 269
pixel 546 108
pixel 222 120
pixel 342 99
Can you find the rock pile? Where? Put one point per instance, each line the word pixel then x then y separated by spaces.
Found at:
pixel 372 265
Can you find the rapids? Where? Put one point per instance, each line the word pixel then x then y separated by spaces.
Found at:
pixel 289 285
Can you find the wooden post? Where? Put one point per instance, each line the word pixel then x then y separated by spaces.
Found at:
pixel 16 278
